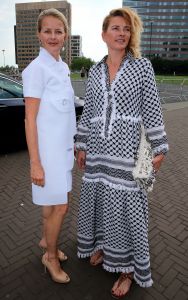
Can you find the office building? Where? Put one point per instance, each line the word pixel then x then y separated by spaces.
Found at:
pixel 76 46
pixel 26 41
pixel 165 28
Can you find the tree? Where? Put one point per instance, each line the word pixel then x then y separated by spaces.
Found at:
pixel 9 69
pixel 79 62
pixel 169 67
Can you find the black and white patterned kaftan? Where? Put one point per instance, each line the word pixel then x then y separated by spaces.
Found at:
pixel 113 213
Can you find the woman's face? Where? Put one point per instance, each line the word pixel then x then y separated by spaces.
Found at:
pixel 52 35
pixel 118 34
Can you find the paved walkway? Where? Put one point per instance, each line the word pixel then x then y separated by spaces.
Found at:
pixel 21 273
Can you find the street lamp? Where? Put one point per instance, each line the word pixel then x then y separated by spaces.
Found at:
pixel 3 56
pixel 151 31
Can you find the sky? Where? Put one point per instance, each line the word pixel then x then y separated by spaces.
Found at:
pixel 87 18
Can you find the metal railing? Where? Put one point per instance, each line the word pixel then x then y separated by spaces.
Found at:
pixel 173 90
pixel 79 87
pixel 170 90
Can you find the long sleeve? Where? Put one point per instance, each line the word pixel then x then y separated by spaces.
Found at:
pixel 152 113
pixel 84 123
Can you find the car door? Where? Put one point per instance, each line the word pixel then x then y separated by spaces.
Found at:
pixel 11 113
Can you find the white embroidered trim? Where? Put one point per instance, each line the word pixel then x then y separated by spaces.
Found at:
pixel 111 92
pixel 80 145
pixel 161 148
pixel 85 242
pixel 96 119
pixel 156 137
pixel 113 114
pixel 128 270
pixel 84 128
pixel 115 186
pixel 81 255
pixel 111 165
pixel 118 117
pixel 91 252
pixel 117 270
pixel 121 164
pixel 154 129
pixel 82 133
pixel 105 100
pixel 133 262
pixel 110 157
pixel 128 118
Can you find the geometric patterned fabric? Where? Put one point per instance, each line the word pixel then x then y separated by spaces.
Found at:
pixel 113 214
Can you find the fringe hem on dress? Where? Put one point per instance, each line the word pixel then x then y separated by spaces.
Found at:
pixel 142 284
pixel 129 270
pixel 85 255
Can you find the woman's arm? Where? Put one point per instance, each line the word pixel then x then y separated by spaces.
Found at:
pixel 153 118
pixel 152 113
pixel 31 111
pixel 81 159
pixel 157 161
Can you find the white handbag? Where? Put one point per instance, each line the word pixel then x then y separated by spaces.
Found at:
pixel 143 171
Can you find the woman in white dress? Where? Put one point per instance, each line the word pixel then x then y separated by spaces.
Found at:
pixel 50 125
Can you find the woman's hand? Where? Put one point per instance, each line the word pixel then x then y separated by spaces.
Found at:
pixel 157 161
pixel 37 174
pixel 81 159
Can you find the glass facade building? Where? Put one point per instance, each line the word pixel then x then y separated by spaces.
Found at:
pixel 26 41
pixel 165 28
pixel 76 46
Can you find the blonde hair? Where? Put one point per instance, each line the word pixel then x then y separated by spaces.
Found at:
pixel 53 13
pixel 135 21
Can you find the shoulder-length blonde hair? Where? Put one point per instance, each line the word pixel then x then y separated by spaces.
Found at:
pixel 52 12
pixel 135 21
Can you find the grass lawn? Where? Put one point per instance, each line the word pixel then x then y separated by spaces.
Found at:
pixel 76 76
pixel 172 79
pixel 160 78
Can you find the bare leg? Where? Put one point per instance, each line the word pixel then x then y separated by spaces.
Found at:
pixel 46 212
pixel 52 229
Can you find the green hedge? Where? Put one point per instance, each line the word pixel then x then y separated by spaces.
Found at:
pixel 170 67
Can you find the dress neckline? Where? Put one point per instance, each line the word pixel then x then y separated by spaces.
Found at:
pixel 107 73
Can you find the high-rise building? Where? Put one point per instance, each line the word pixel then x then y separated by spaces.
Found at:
pixel 26 41
pixel 165 27
pixel 76 46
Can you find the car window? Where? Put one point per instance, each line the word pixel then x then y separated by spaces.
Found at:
pixel 10 89
pixel 5 95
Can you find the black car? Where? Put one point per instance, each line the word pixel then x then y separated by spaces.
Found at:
pixel 12 113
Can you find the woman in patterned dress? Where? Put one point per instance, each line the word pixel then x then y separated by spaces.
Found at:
pixel 121 93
